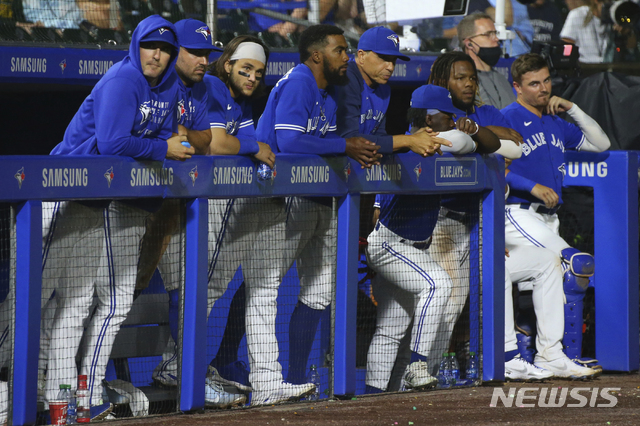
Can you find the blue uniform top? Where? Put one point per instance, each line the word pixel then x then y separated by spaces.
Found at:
pixel 362 110
pixel 545 140
pixel 123 115
pixel 409 216
pixel 484 115
pixel 233 115
pixel 192 106
pixel 299 117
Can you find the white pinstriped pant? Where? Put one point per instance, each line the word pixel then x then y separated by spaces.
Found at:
pixel 409 284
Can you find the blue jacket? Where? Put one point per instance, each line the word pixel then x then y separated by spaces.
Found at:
pixel 123 115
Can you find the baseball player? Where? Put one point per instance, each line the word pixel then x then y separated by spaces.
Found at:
pixel 536 184
pixel 457 72
pixel 130 112
pixel 409 284
pixel 300 117
pixel 537 269
pixel 362 107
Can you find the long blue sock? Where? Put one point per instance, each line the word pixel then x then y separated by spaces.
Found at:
pixel 174 308
pixel 415 357
pixel 370 389
pixel 234 331
pixel 508 356
pixel 302 331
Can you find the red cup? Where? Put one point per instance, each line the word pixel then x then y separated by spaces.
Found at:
pixel 58 412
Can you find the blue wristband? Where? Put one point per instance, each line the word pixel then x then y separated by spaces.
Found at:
pixel 519 183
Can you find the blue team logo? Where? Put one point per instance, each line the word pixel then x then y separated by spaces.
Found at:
pixel 274 172
pixel 145 110
pixel 108 175
pixel 419 69
pixel 193 174
pixel 20 177
pixel 232 127
pixel 206 33
pixel 163 29
pixel 394 38
pixel 418 171
pixel 63 65
pixel 563 170
pixel 347 172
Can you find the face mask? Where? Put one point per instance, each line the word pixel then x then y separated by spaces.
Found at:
pixel 490 55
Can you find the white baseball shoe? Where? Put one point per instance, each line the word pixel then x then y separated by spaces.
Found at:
pixel 213 374
pixel 566 369
pixel 283 393
pixel 164 379
pixel 216 397
pixel 417 377
pixel 520 370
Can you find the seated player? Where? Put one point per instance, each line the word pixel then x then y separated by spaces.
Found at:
pixel 409 284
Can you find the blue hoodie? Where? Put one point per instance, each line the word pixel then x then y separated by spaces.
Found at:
pixel 123 115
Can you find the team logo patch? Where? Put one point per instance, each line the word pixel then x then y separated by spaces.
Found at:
pixel 419 69
pixel 418 171
pixel 563 170
pixel 347 172
pixel 108 175
pixel 20 177
pixel 63 65
pixel 181 110
pixel 394 39
pixel 145 110
pixel 274 172
pixel 206 33
pixel 193 174
pixel 163 29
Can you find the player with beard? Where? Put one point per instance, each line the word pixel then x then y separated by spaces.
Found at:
pixel 300 117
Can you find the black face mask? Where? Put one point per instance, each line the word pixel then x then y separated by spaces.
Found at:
pixel 490 55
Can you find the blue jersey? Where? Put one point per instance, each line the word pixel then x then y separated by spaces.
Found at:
pixel 123 115
pixel 233 115
pixel 409 216
pixel 192 106
pixel 362 110
pixel 545 140
pixel 299 117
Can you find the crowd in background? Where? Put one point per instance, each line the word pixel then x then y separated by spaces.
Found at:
pixel 581 22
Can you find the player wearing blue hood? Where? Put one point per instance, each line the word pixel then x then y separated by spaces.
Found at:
pixel 130 112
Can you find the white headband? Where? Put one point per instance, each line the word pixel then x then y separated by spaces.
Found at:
pixel 249 50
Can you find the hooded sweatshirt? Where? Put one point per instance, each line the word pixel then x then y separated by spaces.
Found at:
pixel 123 115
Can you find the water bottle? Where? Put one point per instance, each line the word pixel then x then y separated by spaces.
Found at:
pixel 264 172
pixel 83 410
pixel 472 368
pixel 454 368
pixel 72 410
pixel 444 381
pixel 314 377
pixel 64 395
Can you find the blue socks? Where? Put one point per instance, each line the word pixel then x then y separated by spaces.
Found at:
pixel 370 389
pixel 415 357
pixel 174 314
pixel 508 356
pixel 302 331
pixel 233 332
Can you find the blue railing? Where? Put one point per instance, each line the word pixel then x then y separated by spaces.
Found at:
pixel 28 180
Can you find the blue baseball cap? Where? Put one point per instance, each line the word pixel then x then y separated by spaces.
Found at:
pixel 194 34
pixel 164 34
pixel 383 41
pixel 434 97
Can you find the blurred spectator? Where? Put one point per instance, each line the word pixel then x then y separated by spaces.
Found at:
pixel 595 39
pixel 478 39
pixel 101 13
pixel 434 29
pixel 61 14
pixel 545 19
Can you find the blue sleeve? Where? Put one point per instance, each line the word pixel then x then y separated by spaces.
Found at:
pixel 200 119
pixel 215 110
pixel 115 110
pixel 348 118
pixel 495 117
pixel 295 142
pixel 573 136
pixel 247 132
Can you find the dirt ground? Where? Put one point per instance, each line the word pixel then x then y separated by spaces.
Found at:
pixel 470 406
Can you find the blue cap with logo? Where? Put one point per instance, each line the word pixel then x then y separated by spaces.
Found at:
pixel 164 34
pixel 383 41
pixel 194 34
pixel 430 96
